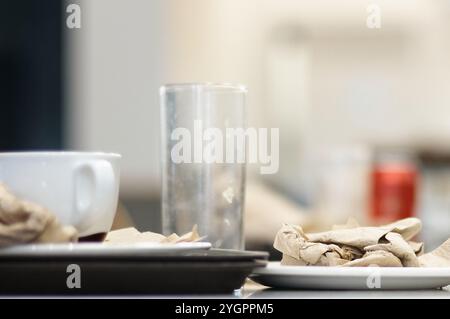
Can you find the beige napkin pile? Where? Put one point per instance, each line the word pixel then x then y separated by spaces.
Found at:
pixel 132 235
pixel 351 245
pixel 25 222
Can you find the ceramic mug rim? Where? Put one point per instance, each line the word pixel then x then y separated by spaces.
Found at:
pixel 58 154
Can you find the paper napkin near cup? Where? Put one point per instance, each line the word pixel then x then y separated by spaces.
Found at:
pixel 25 222
pixel 350 245
pixel 132 235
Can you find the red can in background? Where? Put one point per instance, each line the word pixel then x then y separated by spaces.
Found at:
pixel 393 191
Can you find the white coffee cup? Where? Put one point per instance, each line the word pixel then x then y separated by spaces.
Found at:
pixel 80 188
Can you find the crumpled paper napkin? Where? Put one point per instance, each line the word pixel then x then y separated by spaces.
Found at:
pixel 131 235
pixel 351 245
pixel 25 222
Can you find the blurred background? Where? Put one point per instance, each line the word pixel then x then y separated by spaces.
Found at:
pixel 364 113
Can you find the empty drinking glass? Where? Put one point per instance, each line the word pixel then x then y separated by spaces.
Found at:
pixel 204 161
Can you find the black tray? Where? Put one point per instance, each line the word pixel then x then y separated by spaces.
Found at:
pixel 209 271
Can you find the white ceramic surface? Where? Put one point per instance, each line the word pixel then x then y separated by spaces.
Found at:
pixel 99 250
pixel 350 278
pixel 80 188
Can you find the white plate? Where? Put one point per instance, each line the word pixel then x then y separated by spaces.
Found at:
pixel 100 249
pixel 315 277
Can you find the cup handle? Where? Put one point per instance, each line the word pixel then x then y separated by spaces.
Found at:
pixel 93 181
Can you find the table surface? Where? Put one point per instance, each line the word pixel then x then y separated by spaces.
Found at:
pixel 252 290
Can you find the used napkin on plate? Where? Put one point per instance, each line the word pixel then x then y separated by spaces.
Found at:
pixel 25 222
pixel 132 235
pixel 351 245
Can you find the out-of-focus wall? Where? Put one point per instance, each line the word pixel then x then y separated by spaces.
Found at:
pixel 115 65
pixel 313 69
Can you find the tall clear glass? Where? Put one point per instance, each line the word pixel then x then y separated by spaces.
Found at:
pixel 203 161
